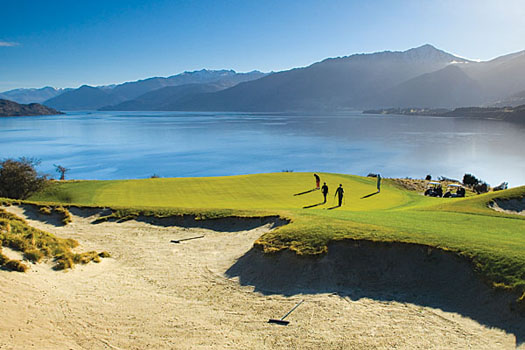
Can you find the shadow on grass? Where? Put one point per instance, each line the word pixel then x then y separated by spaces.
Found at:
pixel 370 195
pixel 334 207
pixel 313 205
pixel 406 273
pixel 305 192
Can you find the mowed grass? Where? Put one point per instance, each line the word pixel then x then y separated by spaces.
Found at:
pixel 494 242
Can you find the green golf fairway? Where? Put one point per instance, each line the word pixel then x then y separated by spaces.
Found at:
pixel 493 241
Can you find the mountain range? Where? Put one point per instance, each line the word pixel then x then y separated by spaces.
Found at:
pixel 31 95
pixel 89 97
pixel 422 77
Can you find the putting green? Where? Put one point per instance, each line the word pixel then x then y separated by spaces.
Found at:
pixel 261 191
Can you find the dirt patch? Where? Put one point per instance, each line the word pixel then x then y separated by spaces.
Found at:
pixel 157 295
pixel 509 206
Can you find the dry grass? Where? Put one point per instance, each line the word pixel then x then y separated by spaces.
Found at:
pixel 60 210
pixel 35 244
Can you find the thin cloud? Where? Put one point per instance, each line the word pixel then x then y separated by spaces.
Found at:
pixel 8 44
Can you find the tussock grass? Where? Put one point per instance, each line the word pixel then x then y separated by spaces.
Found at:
pixel 65 214
pixel 36 244
pixel 45 210
pixel 60 210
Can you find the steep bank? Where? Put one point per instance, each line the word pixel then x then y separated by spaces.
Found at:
pixel 407 273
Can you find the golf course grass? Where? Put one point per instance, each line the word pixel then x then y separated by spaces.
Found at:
pixel 493 241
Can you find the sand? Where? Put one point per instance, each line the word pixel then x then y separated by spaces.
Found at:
pixel 153 294
pixel 509 206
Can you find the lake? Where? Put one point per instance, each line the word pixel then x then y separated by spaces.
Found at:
pixel 124 145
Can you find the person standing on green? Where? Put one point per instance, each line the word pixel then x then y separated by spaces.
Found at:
pixel 324 189
pixel 339 193
pixel 378 183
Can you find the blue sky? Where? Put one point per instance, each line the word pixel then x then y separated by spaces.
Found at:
pixel 70 43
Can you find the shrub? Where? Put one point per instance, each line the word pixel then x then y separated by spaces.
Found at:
pixel 470 180
pixel 19 179
pixel 428 177
pixel 481 187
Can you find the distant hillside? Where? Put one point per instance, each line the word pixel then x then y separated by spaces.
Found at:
pixel 446 88
pixel 31 95
pixel 226 78
pixel 501 77
pixel 13 109
pixel 512 101
pixel 508 114
pixel 89 97
pixel 163 99
pixel 84 98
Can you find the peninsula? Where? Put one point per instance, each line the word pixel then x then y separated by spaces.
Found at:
pixel 13 109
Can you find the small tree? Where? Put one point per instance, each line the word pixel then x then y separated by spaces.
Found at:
pixel 428 177
pixel 470 180
pixel 60 169
pixel 19 179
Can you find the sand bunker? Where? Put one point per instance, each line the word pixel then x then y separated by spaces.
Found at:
pixel 217 293
pixel 509 206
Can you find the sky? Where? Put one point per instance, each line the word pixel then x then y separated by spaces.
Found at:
pixel 71 43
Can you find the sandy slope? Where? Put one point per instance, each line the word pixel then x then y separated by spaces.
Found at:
pixel 156 295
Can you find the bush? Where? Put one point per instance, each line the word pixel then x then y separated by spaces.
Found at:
pixel 428 177
pixel 470 180
pixel 481 187
pixel 19 179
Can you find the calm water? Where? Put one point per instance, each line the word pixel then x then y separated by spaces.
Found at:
pixel 121 145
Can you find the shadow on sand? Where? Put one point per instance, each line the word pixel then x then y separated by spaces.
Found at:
pixel 32 212
pixel 399 272
pixel 334 207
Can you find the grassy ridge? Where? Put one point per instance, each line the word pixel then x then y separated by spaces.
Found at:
pixel 493 241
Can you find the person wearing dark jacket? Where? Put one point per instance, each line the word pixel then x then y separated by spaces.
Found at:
pixel 324 189
pixel 339 193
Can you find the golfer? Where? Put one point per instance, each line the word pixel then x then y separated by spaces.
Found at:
pixel 378 183
pixel 317 181
pixel 339 193
pixel 324 189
